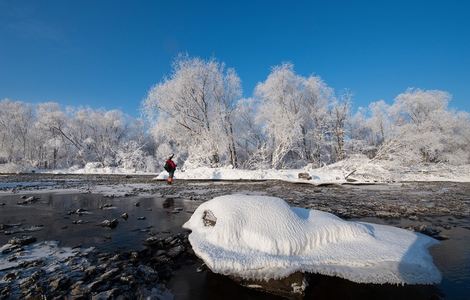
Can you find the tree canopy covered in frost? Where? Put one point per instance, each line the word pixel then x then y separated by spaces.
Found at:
pixel 194 111
pixel 418 127
pixel 294 113
pixel 293 120
pixel 198 113
pixel 48 136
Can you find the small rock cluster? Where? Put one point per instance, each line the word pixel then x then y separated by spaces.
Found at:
pixel 93 274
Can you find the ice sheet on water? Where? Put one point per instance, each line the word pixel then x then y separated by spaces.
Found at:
pixel 262 237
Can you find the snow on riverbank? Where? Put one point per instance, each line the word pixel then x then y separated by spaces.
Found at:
pixel 97 168
pixel 227 173
pixel 357 169
pixel 354 169
pixel 259 237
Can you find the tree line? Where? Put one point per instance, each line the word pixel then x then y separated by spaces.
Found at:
pixel 48 136
pixel 293 120
pixel 198 113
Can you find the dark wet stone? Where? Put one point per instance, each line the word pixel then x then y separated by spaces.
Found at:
pixel 201 268
pixel 78 211
pixel 6 226
pixel 153 241
pixel 10 276
pixel 110 223
pixel 107 275
pixel 93 286
pixel 129 279
pixel 125 216
pixel 177 210
pixel 78 291
pixel 176 251
pixel 161 259
pixel 134 255
pixel 8 248
pixel 208 218
pixel 60 283
pixel 147 273
pixel 22 241
pixel 168 240
pixel 305 176
pixel 28 200
pixel 91 270
pixel 141 218
pixel 105 295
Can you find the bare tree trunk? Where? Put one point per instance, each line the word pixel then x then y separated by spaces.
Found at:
pixel 231 146
pixel 55 158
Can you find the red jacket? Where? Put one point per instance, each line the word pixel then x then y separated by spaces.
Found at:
pixel 171 164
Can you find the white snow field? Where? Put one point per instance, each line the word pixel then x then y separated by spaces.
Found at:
pixel 260 237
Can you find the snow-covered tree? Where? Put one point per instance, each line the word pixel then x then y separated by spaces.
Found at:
pixel 423 129
pixel 48 136
pixel 294 113
pixel 249 136
pixel 192 110
pixel 15 124
pixel 339 117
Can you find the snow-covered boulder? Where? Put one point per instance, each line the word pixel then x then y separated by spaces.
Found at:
pixel 259 237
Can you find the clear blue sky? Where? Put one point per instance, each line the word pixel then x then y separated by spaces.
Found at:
pixel 109 53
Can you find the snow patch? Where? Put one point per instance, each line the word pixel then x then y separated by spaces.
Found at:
pixel 228 173
pixel 260 237
pixel 96 168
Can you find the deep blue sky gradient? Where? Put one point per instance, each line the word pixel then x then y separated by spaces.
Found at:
pixel 109 53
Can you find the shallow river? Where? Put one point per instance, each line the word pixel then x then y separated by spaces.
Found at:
pixel 49 218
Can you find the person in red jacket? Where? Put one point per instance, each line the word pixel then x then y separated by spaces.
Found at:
pixel 170 167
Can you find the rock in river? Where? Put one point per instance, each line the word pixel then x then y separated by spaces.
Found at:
pixel 111 224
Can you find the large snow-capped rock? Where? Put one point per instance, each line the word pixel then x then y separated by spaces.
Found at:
pixel 261 237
